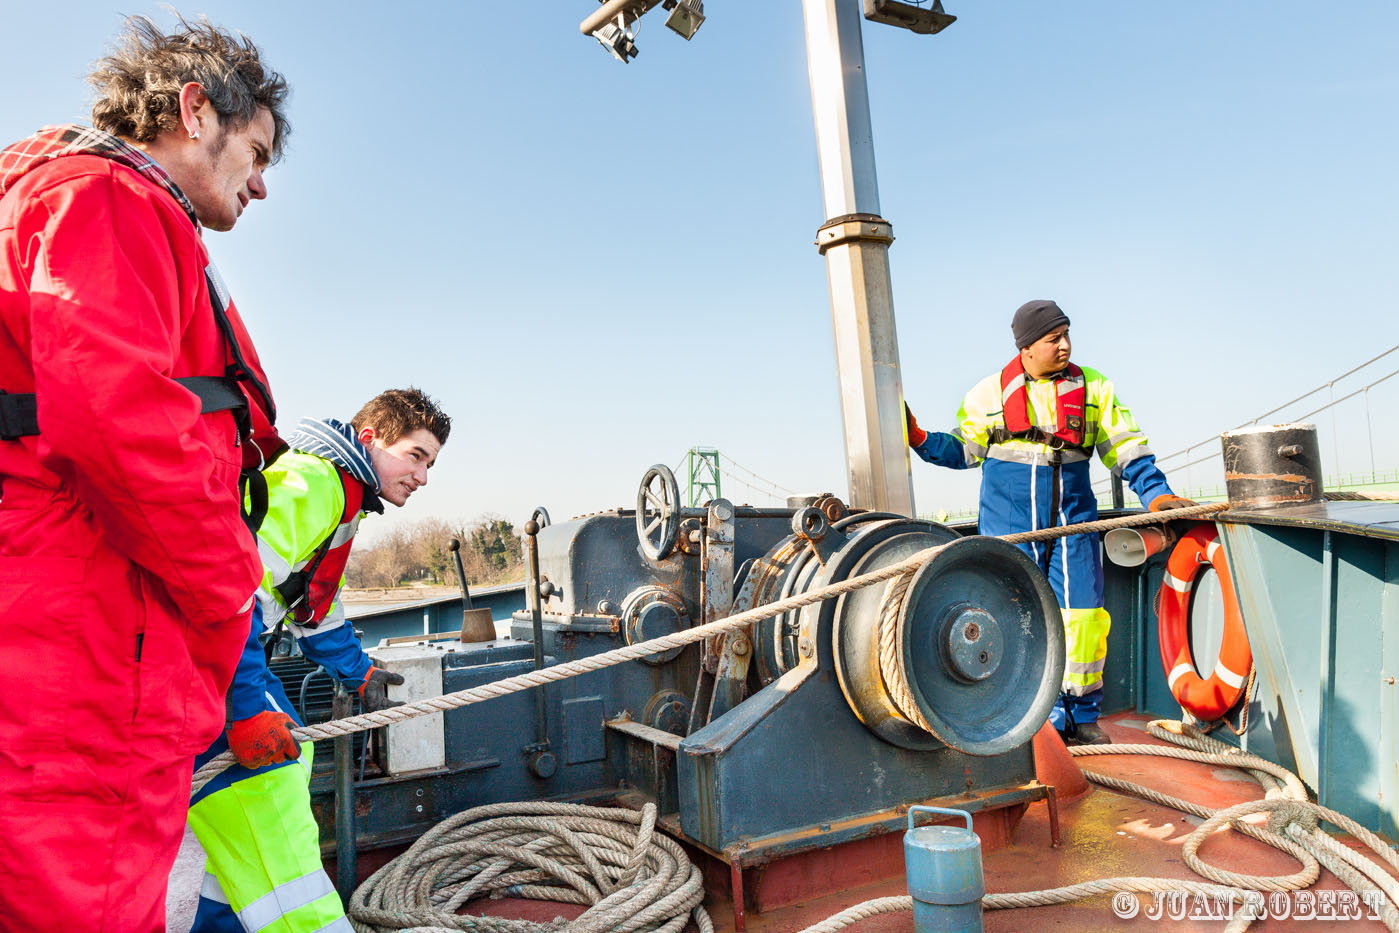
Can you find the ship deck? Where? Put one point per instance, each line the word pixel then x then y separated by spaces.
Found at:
pixel 1104 834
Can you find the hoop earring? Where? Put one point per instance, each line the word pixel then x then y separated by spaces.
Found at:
pixel 194 135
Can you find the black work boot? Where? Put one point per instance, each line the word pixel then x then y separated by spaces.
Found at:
pixel 1088 733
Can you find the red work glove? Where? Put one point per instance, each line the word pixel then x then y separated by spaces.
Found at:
pixel 916 435
pixel 1167 502
pixel 264 739
pixel 375 689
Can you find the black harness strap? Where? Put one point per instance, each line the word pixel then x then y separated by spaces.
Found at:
pixel 19 411
pixel 295 590
pixel 999 434
pixel 240 367
pixel 252 489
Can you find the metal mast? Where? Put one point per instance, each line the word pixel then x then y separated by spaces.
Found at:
pixel 855 241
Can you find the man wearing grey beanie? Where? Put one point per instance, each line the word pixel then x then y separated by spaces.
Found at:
pixel 1033 428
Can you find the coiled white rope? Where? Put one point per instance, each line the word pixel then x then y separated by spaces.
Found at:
pixel 633 877
pixel 1292 827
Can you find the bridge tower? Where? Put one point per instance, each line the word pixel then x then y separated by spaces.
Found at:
pixel 703 468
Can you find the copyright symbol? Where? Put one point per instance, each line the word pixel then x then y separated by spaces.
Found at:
pixel 1125 905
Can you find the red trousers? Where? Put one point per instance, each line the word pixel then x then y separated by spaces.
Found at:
pixel 102 709
pixel 97 854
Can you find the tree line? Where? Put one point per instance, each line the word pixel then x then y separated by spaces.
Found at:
pixel 418 553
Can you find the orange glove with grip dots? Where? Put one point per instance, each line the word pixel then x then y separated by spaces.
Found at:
pixel 264 739
pixel 1167 502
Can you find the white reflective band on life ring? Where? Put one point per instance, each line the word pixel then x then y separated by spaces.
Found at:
pixel 1209 551
pixel 1177 673
pixel 1177 584
pixel 1229 677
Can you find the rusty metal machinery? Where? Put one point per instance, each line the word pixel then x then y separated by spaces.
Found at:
pixel 820 724
pixel 811 729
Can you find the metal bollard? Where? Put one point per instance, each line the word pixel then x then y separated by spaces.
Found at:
pixel 1272 465
pixel 944 874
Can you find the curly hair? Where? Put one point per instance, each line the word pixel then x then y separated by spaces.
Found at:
pixel 396 413
pixel 138 85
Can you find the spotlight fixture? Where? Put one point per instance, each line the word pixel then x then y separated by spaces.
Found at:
pixel 686 17
pixel 618 40
pixel 613 23
pixel 926 21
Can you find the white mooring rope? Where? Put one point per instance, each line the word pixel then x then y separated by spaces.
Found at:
pixel 612 859
pixel 1292 827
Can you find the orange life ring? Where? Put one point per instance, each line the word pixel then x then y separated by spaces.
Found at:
pixel 1207 699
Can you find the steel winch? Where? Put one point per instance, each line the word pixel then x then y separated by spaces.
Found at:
pixel 816 725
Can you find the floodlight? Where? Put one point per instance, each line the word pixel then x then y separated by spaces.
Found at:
pixel 686 17
pixel 613 24
pixel 927 21
pixel 616 40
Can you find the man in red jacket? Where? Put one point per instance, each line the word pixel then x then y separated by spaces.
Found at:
pixel 133 398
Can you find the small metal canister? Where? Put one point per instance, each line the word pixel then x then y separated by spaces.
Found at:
pixel 944 874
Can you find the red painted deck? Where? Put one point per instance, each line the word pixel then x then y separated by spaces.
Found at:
pixel 1104 835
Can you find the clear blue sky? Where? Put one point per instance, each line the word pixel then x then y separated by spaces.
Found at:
pixel 596 266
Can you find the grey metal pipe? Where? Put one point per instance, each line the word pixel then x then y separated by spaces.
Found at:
pixel 630 9
pixel 855 243
pixel 541 723
pixel 346 859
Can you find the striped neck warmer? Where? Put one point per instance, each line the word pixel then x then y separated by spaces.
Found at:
pixel 335 441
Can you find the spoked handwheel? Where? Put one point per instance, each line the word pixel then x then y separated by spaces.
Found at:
pixel 658 512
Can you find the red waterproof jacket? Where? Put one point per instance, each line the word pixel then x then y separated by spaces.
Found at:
pixel 125 568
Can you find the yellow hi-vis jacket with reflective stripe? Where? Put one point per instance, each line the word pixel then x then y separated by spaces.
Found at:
pixel 1109 427
pixel 305 505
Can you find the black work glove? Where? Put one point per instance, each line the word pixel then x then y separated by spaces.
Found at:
pixel 374 690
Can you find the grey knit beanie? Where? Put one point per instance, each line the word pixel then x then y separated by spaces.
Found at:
pixel 1034 319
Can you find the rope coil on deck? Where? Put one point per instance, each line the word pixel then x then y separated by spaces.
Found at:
pixel 633 877
pixel 1293 827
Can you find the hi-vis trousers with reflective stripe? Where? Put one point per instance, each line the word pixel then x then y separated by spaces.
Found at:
pixel 1019 497
pixel 263 846
pixel 1075 570
pixel 1086 644
pixel 264 868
